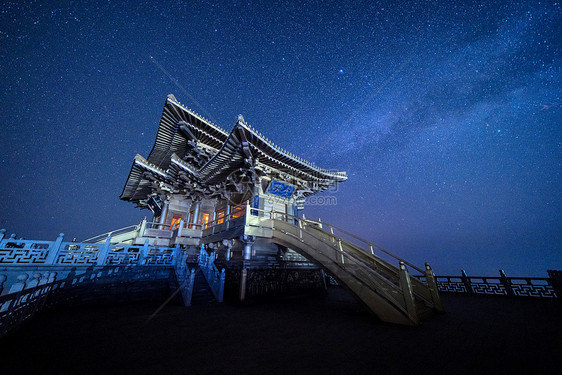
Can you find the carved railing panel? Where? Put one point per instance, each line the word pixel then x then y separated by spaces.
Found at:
pixel 78 254
pixel 19 252
pixel 23 256
pixel 123 254
pixel 533 287
pixel 158 256
pixel 450 284
pixel 537 287
pixel 24 251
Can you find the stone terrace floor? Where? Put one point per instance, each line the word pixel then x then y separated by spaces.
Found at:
pixel 329 334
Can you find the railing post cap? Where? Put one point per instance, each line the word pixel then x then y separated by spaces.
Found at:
pixel 23 277
pixel 427 266
pixel 61 234
pixel 13 235
pixel 3 230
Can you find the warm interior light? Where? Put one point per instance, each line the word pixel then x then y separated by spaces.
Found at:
pixel 175 222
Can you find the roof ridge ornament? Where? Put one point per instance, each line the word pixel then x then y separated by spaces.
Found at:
pixel 241 119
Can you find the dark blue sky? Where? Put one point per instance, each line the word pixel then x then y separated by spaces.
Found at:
pixel 445 114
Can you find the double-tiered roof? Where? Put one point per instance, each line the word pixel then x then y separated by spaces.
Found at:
pixel 193 156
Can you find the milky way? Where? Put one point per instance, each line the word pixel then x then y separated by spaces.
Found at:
pixel 446 115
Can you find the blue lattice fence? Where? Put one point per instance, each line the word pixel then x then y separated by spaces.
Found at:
pixel 538 287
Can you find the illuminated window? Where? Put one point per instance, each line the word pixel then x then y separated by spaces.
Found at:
pixel 175 222
pixel 205 220
pixel 220 217
pixel 239 211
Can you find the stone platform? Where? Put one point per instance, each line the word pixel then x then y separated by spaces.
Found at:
pixel 331 334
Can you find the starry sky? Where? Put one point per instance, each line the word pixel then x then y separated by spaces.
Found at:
pixel 446 115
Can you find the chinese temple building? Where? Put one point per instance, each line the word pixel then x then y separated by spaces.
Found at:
pixel 199 176
pixel 238 196
pixel 198 173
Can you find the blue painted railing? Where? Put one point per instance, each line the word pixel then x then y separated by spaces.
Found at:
pixel 30 270
pixel 24 253
pixel 185 277
pixel 502 285
pixel 214 278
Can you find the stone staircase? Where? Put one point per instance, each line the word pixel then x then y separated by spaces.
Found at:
pixel 202 293
pixel 387 290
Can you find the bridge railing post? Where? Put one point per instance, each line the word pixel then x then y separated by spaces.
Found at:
pixel 506 284
pixel 407 292
pixel 143 253
pixel 340 246
pixel 104 250
pixel 53 252
pixel 433 288
pixel 466 281
pixel 2 233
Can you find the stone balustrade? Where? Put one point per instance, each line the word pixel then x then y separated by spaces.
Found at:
pixel 36 274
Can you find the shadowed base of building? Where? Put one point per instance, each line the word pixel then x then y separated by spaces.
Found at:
pixel 327 334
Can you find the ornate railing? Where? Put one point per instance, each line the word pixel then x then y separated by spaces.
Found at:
pixel 538 287
pixel 24 253
pixel 214 278
pixel 31 271
pixel 185 278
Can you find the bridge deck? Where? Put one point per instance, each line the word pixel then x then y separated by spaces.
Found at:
pixel 311 335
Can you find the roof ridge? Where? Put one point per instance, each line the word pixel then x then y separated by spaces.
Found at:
pixel 172 99
pixel 286 152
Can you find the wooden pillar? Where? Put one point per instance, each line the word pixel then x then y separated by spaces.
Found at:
pixel 163 215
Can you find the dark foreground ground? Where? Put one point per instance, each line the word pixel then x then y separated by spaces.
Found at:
pixel 329 334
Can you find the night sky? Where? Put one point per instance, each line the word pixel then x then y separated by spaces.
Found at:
pixel 446 115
